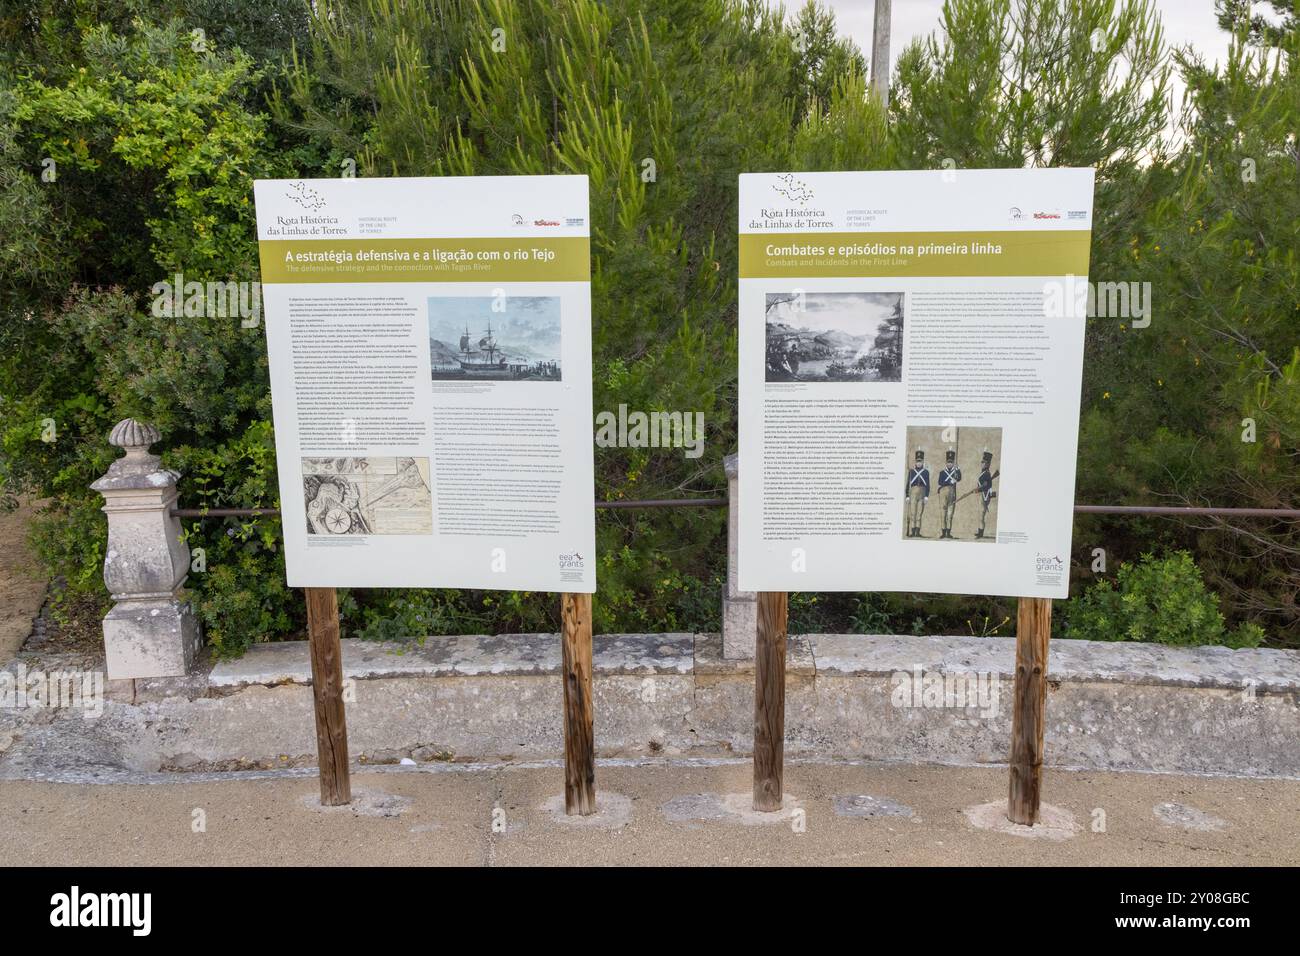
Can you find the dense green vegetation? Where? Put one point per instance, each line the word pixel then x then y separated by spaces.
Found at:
pixel 130 134
pixel 1162 600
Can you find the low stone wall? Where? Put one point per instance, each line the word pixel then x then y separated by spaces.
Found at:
pixel 917 699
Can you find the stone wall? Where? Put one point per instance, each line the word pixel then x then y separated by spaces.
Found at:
pixel 849 697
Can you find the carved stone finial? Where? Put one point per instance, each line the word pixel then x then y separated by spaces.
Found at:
pixel 131 435
pixel 137 464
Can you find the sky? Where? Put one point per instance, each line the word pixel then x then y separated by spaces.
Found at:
pixel 1185 22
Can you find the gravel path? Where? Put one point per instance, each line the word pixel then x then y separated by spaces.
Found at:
pixel 659 813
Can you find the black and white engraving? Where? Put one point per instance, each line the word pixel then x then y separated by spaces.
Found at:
pixel 496 338
pixel 351 495
pixel 834 336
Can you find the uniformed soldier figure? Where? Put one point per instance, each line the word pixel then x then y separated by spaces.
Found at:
pixel 987 494
pixel 918 493
pixel 948 479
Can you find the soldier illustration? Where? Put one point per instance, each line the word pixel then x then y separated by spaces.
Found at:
pixel 918 493
pixel 948 479
pixel 985 485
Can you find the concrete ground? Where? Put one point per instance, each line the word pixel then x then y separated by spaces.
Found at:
pixel 676 813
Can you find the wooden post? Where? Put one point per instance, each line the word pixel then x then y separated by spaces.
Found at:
pixel 769 700
pixel 1033 628
pixel 327 691
pixel 579 735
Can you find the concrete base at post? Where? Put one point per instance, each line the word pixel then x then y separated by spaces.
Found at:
pixel 739 625
pixel 739 608
pixel 151 638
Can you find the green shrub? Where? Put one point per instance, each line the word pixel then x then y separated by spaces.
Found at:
pixel 1157 601
pixel 408 615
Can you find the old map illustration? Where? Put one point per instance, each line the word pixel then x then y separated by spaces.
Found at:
pixel 367 496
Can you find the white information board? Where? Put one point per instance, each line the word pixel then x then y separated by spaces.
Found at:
pixel 430 353
pixel 911 356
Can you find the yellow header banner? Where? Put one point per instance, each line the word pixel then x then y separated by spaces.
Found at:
pixel 795 255
pixel 523 259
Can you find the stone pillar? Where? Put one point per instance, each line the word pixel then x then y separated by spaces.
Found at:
pixel 739 608
pixel 150 631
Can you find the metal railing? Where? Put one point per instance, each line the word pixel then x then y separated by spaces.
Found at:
pixel 1169 511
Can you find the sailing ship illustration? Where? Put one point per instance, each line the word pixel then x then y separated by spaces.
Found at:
pixel 519 341
pixel 485 360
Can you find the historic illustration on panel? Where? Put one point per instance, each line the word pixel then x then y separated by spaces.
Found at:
pixel 834 336
pixel 951 486
pixel 494 338
pixel 353 495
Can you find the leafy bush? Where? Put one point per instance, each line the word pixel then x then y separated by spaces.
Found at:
pixel 154 146
pixel 1157 601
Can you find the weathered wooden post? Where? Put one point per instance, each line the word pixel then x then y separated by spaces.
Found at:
pixel 327 695
pixel 769 700
pixel 151 630
pixel 579 733
pixel 1033 630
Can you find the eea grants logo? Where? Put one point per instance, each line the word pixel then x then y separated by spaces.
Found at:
pixel 1049 567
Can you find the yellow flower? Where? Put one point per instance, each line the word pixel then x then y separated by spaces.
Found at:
pixel 1105 394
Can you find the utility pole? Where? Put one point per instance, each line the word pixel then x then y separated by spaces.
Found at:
pixel 880 52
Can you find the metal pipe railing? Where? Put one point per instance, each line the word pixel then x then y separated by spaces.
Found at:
pixel 1186 512
pixel 1157 510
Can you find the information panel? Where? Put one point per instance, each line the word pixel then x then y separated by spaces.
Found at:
pixel 911 357
pixel 430 352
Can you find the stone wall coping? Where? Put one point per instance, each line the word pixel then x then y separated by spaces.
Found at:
pixel 464 655
pixel 829 655
pixel 158 480
pixel 1127 662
